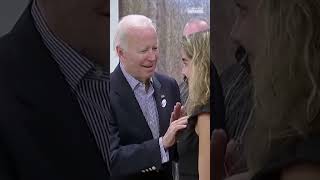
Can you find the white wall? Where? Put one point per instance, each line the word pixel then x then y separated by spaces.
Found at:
pixel 114 19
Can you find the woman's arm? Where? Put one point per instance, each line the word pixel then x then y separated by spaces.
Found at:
pixel 203 131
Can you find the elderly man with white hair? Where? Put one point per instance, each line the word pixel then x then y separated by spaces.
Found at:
pixel 143 126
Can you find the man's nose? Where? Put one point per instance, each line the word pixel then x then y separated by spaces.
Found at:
pixel 152 56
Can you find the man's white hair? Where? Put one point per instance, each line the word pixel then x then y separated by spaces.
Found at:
pixel 127 22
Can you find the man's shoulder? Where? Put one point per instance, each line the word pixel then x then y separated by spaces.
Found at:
pixel 116 73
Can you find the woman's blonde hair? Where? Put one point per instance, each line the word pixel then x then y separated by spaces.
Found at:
pixel 197 48
pixel 286 74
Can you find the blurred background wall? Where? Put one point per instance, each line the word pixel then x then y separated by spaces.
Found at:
pixel 170 16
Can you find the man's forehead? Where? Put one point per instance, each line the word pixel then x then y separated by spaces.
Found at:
pixel 138 34
pixel 139 31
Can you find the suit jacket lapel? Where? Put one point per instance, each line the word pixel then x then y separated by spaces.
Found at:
pixel 128 99
pixel 160 98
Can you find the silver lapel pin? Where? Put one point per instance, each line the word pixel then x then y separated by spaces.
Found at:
pixel 163 101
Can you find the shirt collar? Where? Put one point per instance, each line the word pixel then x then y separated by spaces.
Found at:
pixel 73 65
pixel 133 82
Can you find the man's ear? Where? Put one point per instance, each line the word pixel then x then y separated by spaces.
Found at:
pixel 120 52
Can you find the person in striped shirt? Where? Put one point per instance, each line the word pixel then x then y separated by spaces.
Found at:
pixel 54 91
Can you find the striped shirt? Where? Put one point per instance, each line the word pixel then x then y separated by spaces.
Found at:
pixel 147 103
pixel 89 82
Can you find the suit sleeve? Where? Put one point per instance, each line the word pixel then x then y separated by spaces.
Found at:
pixel 133 158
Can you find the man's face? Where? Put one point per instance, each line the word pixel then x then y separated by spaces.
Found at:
pixel 186 68
pixel 83 24
pixel 244 30
pixel 140 55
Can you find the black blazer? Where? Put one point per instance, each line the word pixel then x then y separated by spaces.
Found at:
pixel 133 148
pixel 43 134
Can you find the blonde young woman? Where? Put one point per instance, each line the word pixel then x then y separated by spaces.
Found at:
pixel 285 141
pixel 194 142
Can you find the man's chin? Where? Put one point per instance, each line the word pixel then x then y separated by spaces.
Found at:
pixel 150 71
pixel 149 75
